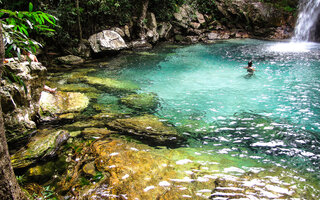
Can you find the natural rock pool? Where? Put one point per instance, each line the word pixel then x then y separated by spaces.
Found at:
pixel 239 137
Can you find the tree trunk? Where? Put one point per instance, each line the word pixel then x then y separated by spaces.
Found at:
pixel 143 16
pixel 9 187
pixel 79 21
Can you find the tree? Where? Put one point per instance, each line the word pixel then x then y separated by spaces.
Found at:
pixel 16 38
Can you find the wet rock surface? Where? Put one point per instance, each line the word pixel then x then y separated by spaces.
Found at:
pixel 149 127
pixel 45 144
pixel 141 102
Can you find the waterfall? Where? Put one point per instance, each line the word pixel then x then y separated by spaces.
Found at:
pixel 308 15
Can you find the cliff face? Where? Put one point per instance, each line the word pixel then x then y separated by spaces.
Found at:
pixel 21 106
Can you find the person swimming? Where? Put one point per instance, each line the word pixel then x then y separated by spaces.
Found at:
pixel 250 68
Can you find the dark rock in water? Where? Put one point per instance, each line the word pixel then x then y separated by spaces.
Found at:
pixel 140 45
pixel 148 127
pixel 20 106
pixel 44 172
pixel 70 60
pixel 142 102
pixel 46 144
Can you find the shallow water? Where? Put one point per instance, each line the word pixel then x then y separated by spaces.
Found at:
pixel 260 132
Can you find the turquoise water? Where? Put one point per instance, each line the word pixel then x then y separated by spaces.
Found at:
pixel 272 117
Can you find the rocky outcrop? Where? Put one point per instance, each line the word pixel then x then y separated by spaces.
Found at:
pixel 106 40
pixel 46 144
pixel 20 104
pixel 147 126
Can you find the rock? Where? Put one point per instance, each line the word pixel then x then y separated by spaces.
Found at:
pixel 143 102
pixel 213 36
pixel 70 60
pixel 178 16
pixel 200 18
pixel 43 145
pixel 84 124
pixel 140 45
pixel 77 88
pixel 195 25
pixel 84 49
pixel 89 169
pixel 96 132
pixel 164 29
pixel 111 85
pixel 63 102
pixel 43 173
pixel 119 31
pixel 127 31
pixel 179 38
pixel 147 126
pixel 106 40
pixel 20 107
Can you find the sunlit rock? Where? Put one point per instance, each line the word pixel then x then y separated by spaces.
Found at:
pixel 46 144
pixel 89 169
pixel 141 102
pixel 106 40
pixel 111 84
pixel 63 102
pixel 147 126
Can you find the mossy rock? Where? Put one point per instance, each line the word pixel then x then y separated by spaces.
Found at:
pixel 112 85
pixel 44 172
pixel 78 88
pixel 63 102
pixel 84 124
pixel 43 145
pixel 141 102
pixel 147 126
pixel 95 132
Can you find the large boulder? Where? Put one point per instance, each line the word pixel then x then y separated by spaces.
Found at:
pixel 106 40
pixel 45 144
pixel 147 127
pixel 20 102
pixel 63 102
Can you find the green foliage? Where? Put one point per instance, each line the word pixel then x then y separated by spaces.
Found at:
pixel 83 181
pixel 18 26
pixel 21 179
pixel 204 6
pixel 13 78
pixel 47 194
pixel 98 177
pixel 286 5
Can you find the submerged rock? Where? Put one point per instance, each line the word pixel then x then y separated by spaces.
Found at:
pixel 106 40
pixel 63 102
pixel 141 102
pixel 111 84
pixel 147 126
pixel 95 132
pixel 46 144
pixel 85 124
pixel 78 88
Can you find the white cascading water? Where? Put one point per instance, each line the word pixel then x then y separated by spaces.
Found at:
pixel 308 15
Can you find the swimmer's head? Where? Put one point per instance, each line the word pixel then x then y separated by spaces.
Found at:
pixel 250 63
